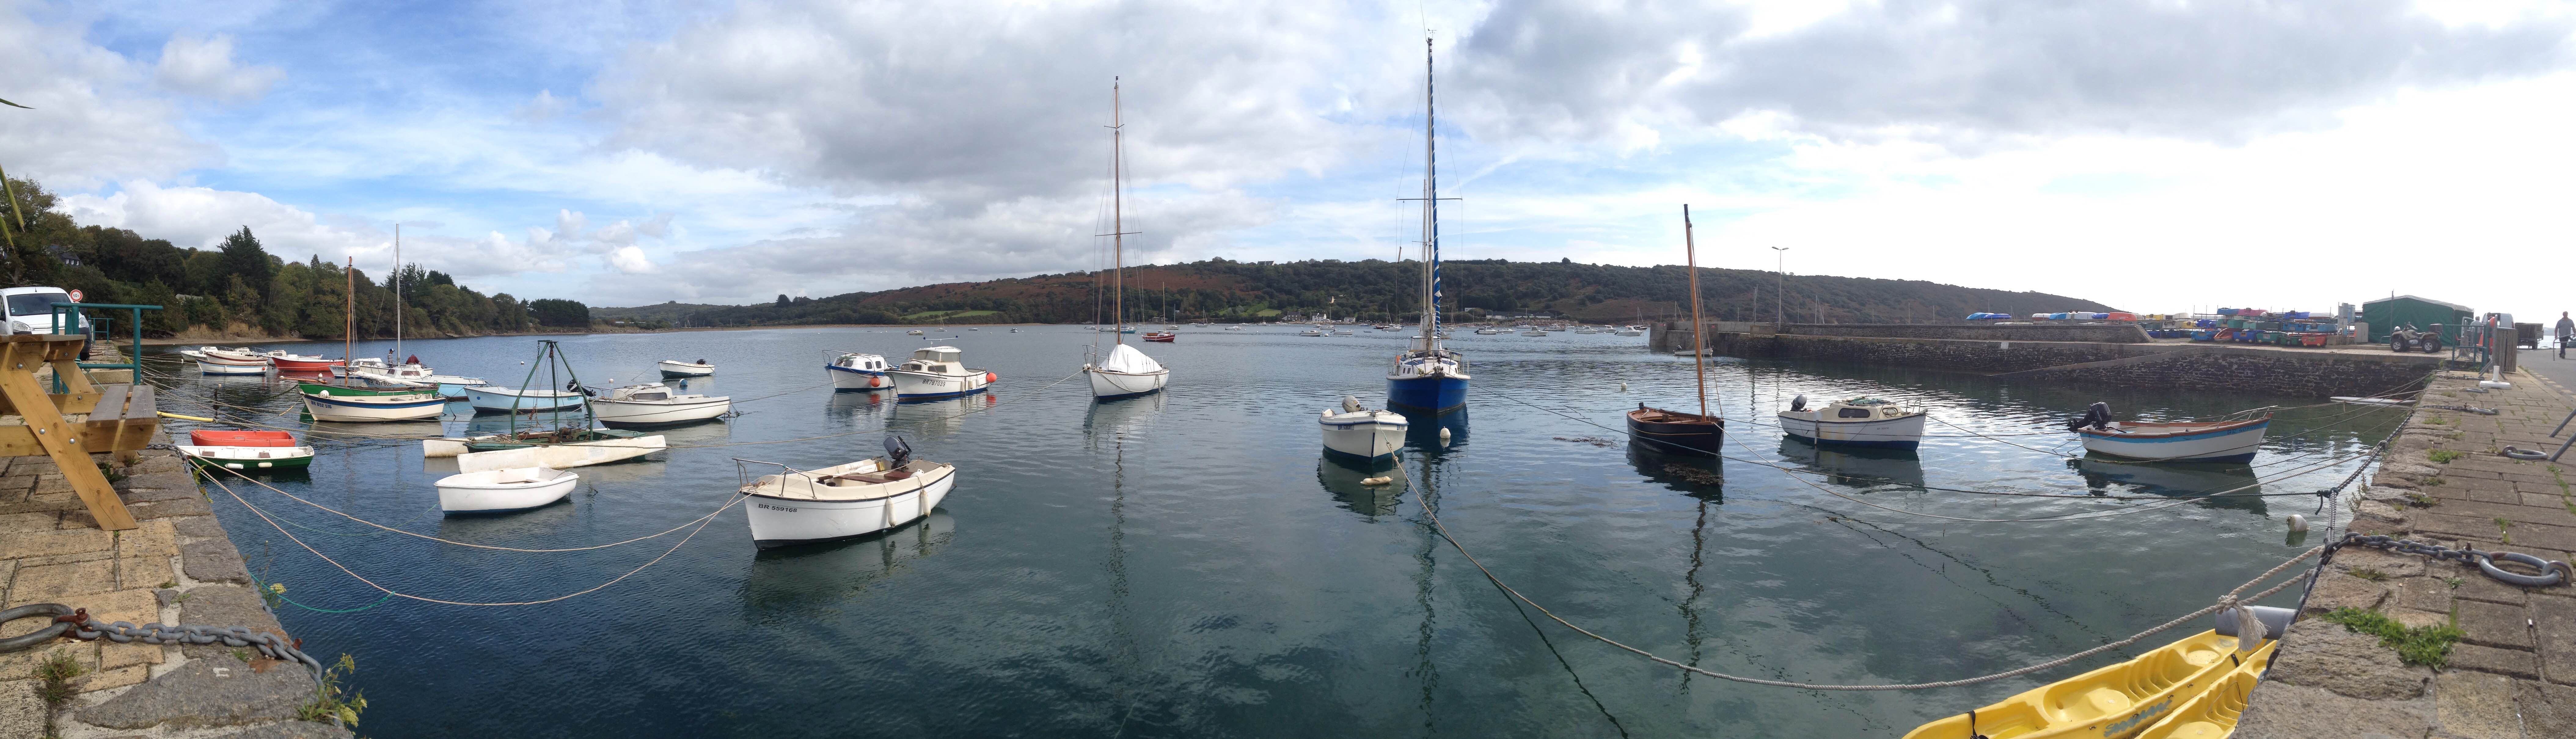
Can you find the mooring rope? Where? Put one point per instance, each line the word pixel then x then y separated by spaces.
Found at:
pixel 729 503
pixel 2233 598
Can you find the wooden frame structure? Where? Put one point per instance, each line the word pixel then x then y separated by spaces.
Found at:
pixel 120 418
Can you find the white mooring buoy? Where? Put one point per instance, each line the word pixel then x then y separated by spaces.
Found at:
pixel 1444 436
pixel 1623 386
pixel 2298 523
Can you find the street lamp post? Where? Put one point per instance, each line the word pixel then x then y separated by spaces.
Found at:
pixel 1779 313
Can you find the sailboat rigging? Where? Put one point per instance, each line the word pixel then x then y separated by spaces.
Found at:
pixel 1674 429
pixel 1124 372
pixel 1428 378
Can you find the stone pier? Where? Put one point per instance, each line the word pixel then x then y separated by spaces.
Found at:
pixel 2513 676
pixel 177 568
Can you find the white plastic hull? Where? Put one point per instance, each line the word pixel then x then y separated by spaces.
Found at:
pixel 249 457
pixel 684 369
pixel 634 413
pixel 777 522
pixel 1106 384
pixel 213 367
pixel 485 399
pixel 498 499
pixel 373 409
pixel 844 378
pixel 912 385
pixel 1893 433
pixel 560 456
pixel 2229 445
pixel 1363 435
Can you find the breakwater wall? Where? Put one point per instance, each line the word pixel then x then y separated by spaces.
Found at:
pixel 2289 371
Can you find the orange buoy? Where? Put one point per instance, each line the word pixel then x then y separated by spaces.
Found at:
pixel 876 381
pixel 990 377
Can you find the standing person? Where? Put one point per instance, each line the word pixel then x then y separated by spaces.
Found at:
pixel 2566 331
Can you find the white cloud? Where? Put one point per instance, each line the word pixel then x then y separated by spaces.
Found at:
pixel 204 67
pixel 200 218
pixel 630 260
pixel 93 118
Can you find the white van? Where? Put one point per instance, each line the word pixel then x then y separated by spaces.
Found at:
pixel 31 310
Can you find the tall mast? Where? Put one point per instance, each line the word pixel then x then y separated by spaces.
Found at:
pixel 398 290
pixel 1117 219
pixel 1430 214
pixel 349 333
pixel 1699 339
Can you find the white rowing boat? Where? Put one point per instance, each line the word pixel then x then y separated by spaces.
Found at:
pixel 501 491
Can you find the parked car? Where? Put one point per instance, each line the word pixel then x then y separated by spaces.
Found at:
pixel 31 310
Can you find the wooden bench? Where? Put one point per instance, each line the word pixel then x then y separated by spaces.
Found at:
pixel 120 418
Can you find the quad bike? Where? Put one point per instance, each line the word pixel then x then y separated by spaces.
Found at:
pixel 2406 339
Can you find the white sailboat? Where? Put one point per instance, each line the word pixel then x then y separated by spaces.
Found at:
pixel 1123 372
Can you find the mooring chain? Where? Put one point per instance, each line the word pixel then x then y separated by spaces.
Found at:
pixel 2551 572
pixel 76 624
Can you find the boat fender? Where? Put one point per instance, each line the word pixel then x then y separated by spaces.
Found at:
pixel 1444 436
pixel 2272 620
pixel 872 381
pixel 1381 480
pixel 1350 404
pixel 2298 522
pixel 1797 404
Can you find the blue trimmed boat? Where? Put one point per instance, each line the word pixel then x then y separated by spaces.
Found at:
pixel 2186 441
pixel 1428 378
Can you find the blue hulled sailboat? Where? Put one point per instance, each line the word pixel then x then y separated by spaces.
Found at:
pixel 1426 377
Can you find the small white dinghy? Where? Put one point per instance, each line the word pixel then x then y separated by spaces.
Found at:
pixel 654 404
pixel 844 501
pixel 213 361
pixel 677 368
pixel 1867 422
pixel 500 491
pixel 2184 441
pixel 1360 432
pixel 497 399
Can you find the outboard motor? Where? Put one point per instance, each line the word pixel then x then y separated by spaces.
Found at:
pixel 1797 404
pixel 898 453
pixel 2096 416
pixel 1350 404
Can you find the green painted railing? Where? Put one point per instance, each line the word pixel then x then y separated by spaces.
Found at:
pixel 63 322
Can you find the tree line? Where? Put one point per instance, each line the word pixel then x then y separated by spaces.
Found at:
pixel 239 287
pixel 1379 290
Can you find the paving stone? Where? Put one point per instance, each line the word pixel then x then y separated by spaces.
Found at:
pixel 2476 705
pixel 22 714
pixel 2325 655
pixel 2547 710
pixel 2279 710
pixel 204 693
pixel 2554 619
pixel 212 561
pixel 28 522
pixel 2511 662
pixel 24 544
pixel 2494 624
pixel 198 527
pixel 63 583
pixel 145 572
pixel 2387 564
pixel 2342 589
pixel 2424 594
pixel 227 605
pixel 137 606
pixel 2475 585
pixel 114 678
pixel 147 511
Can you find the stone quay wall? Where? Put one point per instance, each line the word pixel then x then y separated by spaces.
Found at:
pixel 2283 370
pixel 1676 335
pixel 2514 674
pixel 178 567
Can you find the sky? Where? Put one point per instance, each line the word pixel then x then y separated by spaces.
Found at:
pixel 2156 155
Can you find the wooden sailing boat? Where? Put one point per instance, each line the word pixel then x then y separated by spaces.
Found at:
pixel 343 402
pixel 1123 372
pixel 1699 432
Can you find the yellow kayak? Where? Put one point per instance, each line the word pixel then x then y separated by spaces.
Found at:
pixel 2114 702
pixel 2213 714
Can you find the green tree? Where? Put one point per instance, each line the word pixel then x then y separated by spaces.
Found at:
pixel 560 313
pixel 243 258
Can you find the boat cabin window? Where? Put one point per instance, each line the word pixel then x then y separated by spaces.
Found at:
pixel 656 395
pixel 938 354
pixel 1853 413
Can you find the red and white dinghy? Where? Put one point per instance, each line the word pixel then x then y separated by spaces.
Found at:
pixel 212 437
pixel 301 364
pixel 246 450
pixel 2176 441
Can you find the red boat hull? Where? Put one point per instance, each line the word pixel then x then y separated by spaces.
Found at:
pixel 1165 338
pixel 295 365
pixel 240 438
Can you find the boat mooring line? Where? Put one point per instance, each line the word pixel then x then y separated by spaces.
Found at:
pixel 290 536
pixel 884 428
pixel 729 503
pixel 2232 599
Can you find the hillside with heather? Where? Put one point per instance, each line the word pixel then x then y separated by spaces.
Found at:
pixel 1231 291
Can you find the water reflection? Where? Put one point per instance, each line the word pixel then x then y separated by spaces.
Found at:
pixel 2234 486
pixel 1422 431
pixel 1341 477
pixel 1120 417
pixel 797 579
pixel 1857 467
pixel 852 407
pixel 935 418
pixel 1697 475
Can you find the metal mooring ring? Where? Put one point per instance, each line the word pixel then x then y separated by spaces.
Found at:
pixel 2525 453
pixel 2551 573
pixel 39 636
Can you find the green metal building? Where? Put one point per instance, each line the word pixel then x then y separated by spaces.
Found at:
pixel 2386 314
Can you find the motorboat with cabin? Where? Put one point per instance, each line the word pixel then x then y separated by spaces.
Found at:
pixel 1869 422
pixel 1361 432
pixel 852 371
pixel 844 501
pixel 656 404
pixel 2234 440
pixel 677 368
pixel 936 372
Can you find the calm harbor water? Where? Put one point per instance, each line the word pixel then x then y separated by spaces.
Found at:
pixel 1190 565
